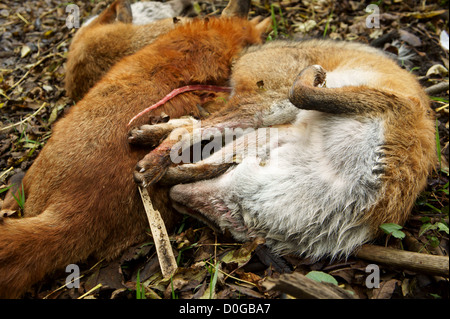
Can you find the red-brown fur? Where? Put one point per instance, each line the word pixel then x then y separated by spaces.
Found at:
pixel 111 36
pixel 81 200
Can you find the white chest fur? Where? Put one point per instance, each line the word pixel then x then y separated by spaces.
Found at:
pixel 323 175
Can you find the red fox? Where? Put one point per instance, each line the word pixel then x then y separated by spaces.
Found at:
pixel 119 31
pixel 81 200
pixel 354 152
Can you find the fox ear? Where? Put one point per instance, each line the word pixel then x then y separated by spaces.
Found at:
pixel 237 8
pixel 262 26
pixel 119 10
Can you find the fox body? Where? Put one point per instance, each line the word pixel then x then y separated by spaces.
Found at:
pixel 119 31
pixel 354 152
pixel 81 200
pixel 350 155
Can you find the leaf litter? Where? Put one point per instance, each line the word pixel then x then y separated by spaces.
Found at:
pixel 35 41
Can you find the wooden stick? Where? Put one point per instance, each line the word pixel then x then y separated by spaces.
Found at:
pixel 402 259
pixel 437 88
pixel 166 258
pixel 300 286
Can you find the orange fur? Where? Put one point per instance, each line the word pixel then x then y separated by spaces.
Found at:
pixel 81 200
pixel 96 47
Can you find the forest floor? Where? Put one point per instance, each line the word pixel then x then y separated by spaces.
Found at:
pixel 34 42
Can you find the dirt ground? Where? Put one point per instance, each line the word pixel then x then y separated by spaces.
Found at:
pixel 33 47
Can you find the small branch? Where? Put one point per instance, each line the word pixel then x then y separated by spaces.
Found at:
pixel 25 119
pixel 78 278
pixel 62 287
pixel 227 275
pixel 407 260
pixel 90 291
pixel 31 68
pixel 22 18
pixel 300 286
pixel 6 172
pixel 164 250
pixel 437 88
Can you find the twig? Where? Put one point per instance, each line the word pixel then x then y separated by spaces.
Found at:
pixel 231 276
pixel 437 88
pixel 300 286
pixel 48 12
pixel 63 286
pixel 407 260
pixel 25 119
pixel 90 291
pixel 78 278
pixel 5 172
pixel 31 68
pixel 22 18
pixel 166 258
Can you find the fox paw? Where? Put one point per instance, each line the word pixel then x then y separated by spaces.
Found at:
pixel 151 135
pixel 151 168
pixel 314 75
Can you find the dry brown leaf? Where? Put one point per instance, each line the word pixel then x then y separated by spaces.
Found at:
pixel 386 289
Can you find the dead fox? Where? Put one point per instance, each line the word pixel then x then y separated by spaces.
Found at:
pixel 354 152
pixel 81 200
pixel 119 31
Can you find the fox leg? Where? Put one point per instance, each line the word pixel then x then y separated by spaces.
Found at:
pixel 190 173
pixel 244 113
pixel 309 93
pixel 152 135
pixel 255 145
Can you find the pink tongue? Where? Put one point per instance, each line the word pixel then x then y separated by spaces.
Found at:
pixel 182 89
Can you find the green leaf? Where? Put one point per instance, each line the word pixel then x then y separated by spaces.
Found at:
pixel 426 227
pixel 140 290
pixel 433 241
pixel 425 219
pixel 212 285
pixel 437 210
pixel 321 277
pixel 171 286
pixel 442 227
pixel 5 189
pixel 393 229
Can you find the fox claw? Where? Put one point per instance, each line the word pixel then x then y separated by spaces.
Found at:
pixel 151 169
pixel 146 135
